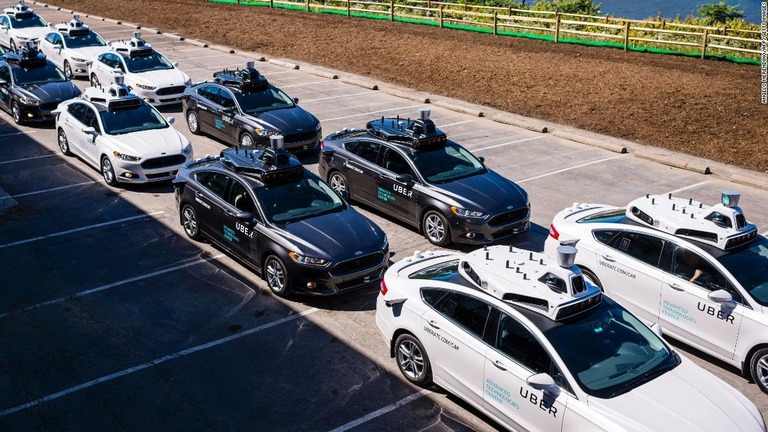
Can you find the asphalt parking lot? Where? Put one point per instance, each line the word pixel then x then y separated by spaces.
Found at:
pixel 111 319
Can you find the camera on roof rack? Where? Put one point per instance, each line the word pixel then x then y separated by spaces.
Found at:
pixel 20 11
pixel 273 165
pixel 73 28
pixel 115 97
pixel 28 56
pixel 247 79
pixel 135 47
pixel 418 133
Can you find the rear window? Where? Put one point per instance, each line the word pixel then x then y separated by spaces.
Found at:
pixel 610 216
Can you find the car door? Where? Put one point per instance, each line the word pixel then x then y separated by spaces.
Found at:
pixel 399 194
pixel 5 38
pixel 516 355
pixel 5 89
pixel 210 206
pixel 361 170
pixel 628 267
pixel 203 102
pixel 224 116
pixel 453 337
pixel 73 124
pixel 243 236
pixel 52 45
pixel 686 310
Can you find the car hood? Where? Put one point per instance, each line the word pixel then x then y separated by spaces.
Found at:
pixel 150 143
pixel 488 192
pixel 685 399
pixel 87 53
pixel 335 236
pixel 31 33
pixel 51 92
pixel 158 78
pixel 287 120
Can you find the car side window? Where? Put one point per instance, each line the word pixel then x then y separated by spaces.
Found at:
pixel 643 247
pixel 207 92
pixel 90 119
pixel 50 37
pixel 467 312
pixel 692 267
pixel 215 182
pixel 225 99
pixel 604 236
pixel 240 197
pixel 431 296
pixel 367 150
pixel 393 161
pixel 77 111
pixel 5 73
pixel 3 21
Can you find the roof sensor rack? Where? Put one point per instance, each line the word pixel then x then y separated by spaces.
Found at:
pixel 419 133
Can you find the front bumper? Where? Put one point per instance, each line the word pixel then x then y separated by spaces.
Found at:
pixel 320 281
pixel 468 231
pixel 35 113
pixel 133 172
pixel 154 99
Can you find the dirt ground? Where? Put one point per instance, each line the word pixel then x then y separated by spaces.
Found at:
pixel 707 108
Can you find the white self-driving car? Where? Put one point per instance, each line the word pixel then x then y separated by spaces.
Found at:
pixel 121 135
pixel 19 24
pixel 147 72
pixel 71 45
pixel 700 271
pixel 527 341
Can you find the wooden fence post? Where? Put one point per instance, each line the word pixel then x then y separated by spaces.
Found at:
pixel 391 10
pixel 704 43
pixel 495 22
pixel 626 35
pixel 271 5
pixel 725 30
pixel 308 6
pixel 663 24
pixel 348 6
pixel 429 4
pixel 440 13
pixel 557 26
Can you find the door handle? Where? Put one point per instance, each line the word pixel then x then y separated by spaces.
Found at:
pixel 676 287
pixel 499 365
pixel 609 258
pixel 229 213
pixel 198 194
pixel 434 324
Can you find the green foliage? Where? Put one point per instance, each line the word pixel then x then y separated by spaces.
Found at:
pixel 585 7
pixel 719 13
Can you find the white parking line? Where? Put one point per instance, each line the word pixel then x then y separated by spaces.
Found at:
pixel 508 143
pixel 17 133
pixel 455 124
pixel 57 188
pixel 372 112
pixel 27 158
pixel 690 187
pixel 112 285
pixel 335 97
pixel 155 362
pixel 303 84
pixel 568 169
pixel 210 68
pixel 61 233
pixel 382 411
pixel 218 54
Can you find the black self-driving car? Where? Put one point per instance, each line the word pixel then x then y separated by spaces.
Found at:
pixel 241 106
pixel 265 208
pixel 410 170
pixel 31 86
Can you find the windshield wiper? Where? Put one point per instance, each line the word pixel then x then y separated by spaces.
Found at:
pixel 648 376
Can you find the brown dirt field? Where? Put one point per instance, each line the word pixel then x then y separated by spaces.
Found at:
pixel 703 107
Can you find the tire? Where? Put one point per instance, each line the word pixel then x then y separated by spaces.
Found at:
pixel 591 278
pixel 277 277
pixel 193 122
pixel 107 171
pixel 94 80
pixel 338 181
pixel 435 228
pixel 68 71
pixel 64 143
pixel 246 140
pixel 16 113
pixel 758 368
pixel 412 360
pixel 190 222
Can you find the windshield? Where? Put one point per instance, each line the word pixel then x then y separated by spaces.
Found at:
pixel 291 202
pixel 750 267
pixel 147 63
pixel 33 21
pixel 609 351
pixel 89 40
pixel 39 75
pixel 267 100
pixel 447 163
pixel 132 120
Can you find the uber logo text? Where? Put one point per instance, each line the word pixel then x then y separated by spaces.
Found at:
pixel 709 310
pixel 540 402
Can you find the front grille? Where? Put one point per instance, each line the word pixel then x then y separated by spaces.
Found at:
pixel 164 161
pixel 49 106
pixel 170 90
pixel 506 232
pixel 370 278
pixel 509 217
pixel 357 264
pixel 161 175
pixel 300 137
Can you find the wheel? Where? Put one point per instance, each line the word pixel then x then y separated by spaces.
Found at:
pixel 246 140
pixel 107 171
pixel 68 70
pixel 94 80
pixel 412 360
pixel 12 45
pixel 16 112
pixel 276 276
pixel 189 222
pixel 758 367
pixel 64 143
pixel 337 181
pixel 435 228
pixel 194 126
pixel 591 278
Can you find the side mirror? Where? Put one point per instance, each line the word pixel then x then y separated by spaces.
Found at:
pixel 545 383
pixel 228 110
pixel 296 100
pixel 656 328
pixel 171 120
pixel 3 82
pixel 89 130
pixel 481 159
pixel 246 217
pixel 720 296
pixel 404 178
pixel 3 27
pixel 175 64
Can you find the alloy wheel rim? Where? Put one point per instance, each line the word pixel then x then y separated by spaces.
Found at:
pixel 190 222
pixel 410 359
pixel 192 121
pixel 246 140
pixel 63 145
pixel 275 275
pixel 435 229
pixel 762 370
pixel 106 170
pixel 337 183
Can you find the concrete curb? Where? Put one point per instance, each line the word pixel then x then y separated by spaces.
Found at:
pixel 198 43
pixel 321 73
pixel 521 122
pixel 673 162
pixel 616 148
pixel 222 48
pixel 415 96
pixel 750 181
pixel 360 83
pixel 459 108
pixel 250 55
pixel 175 36
pixel 284 64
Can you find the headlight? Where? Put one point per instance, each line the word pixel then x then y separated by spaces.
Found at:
pixel 145 87
pixel 467 213
pixel 79 60
pixel 307 260
pixel 264 132
pixel 29 101
pixel 126 157
pixel 318 126
pixel 187 148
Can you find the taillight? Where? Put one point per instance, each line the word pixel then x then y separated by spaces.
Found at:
pixel 553 232
pixel 322 145
pixel 383 287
